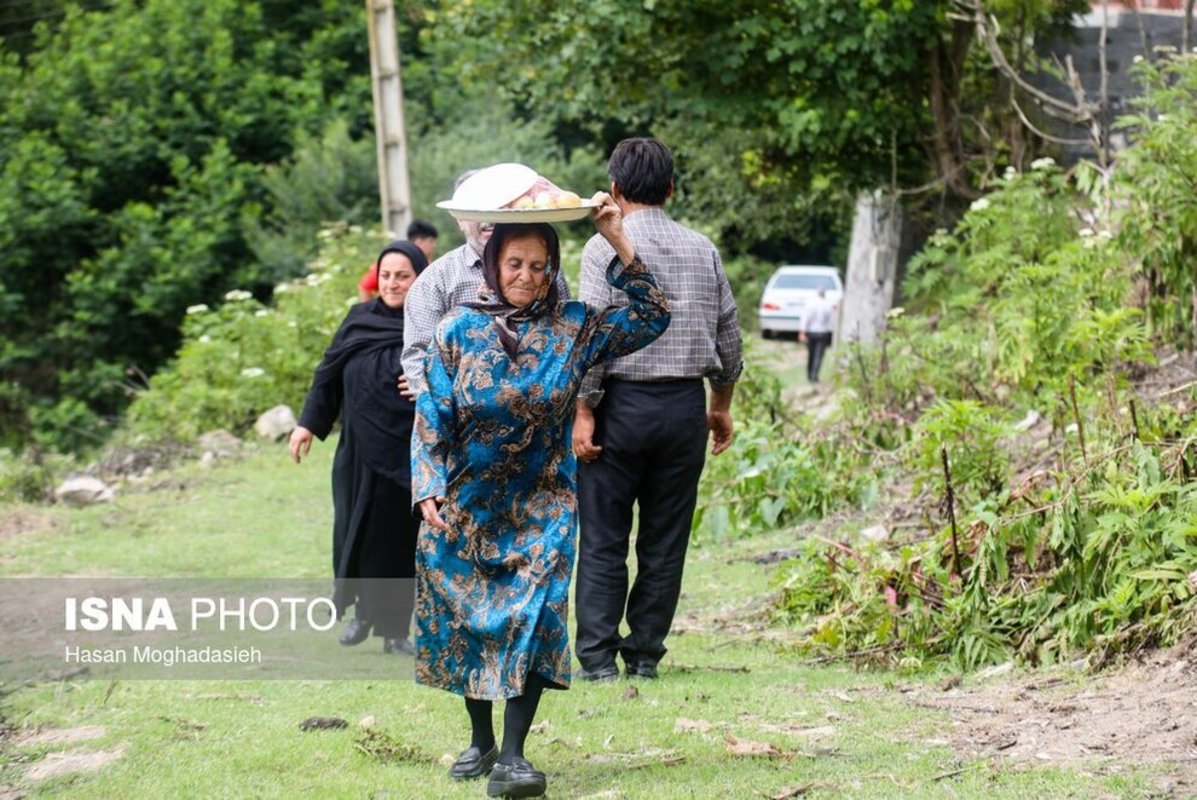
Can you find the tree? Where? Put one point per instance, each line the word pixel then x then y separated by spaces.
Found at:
pixel 132 143
pixel 819 97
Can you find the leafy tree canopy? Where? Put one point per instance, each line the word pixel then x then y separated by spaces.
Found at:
pixel 131 142
pixel 802 98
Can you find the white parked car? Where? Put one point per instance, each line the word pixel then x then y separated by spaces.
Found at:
pixel 790 291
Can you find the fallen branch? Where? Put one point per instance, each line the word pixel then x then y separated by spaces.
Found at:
pixel 1076 414
pixel 951 503
pixel 710 667
pixel 1180 388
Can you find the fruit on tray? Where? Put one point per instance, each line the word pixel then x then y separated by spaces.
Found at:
pixel 545 194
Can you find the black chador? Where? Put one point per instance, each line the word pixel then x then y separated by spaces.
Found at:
pixel 374 530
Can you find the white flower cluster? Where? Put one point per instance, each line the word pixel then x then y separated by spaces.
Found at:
pixel 1010 174
pixel 252 372
pixel 980 204
pixel 282 288
pixel 237 295
pixel 262 312
pixel 197 309
pixel 317 278
pixel 205 339
pixel 1043 163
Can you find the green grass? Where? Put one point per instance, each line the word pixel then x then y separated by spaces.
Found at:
pixel 264 517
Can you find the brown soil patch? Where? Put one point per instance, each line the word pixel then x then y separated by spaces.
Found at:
pixel 1145 713
pixel 56 764
pixel 61 736
pixel 16 522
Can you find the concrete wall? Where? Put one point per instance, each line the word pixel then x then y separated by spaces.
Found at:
pixel 1124 42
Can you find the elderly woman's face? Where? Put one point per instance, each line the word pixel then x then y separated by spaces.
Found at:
pixel 395 277
pixel 523 269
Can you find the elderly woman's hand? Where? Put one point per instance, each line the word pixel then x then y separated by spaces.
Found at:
pixel 608 219
pixel 430 510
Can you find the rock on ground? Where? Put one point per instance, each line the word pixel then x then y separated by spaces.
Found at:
pixel 84 490
pixel 220 443
pixel 276 423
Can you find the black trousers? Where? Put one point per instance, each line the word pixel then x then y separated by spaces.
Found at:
pixel 816 347
pixel 653 437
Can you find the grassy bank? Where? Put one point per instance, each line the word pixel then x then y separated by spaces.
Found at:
pixel 735 713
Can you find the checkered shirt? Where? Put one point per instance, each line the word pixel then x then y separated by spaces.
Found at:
pixel 703 337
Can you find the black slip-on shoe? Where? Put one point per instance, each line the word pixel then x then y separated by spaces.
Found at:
pixel 601 675
pixel 521 779
pixel 400 646
pixel 356 632
pixel 646 671
pixel 473 763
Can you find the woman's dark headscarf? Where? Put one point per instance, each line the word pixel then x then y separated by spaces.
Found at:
pixel 496 305
pixel 369 325
pixel 419 263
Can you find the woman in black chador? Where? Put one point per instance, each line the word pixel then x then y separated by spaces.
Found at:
pixel 374 531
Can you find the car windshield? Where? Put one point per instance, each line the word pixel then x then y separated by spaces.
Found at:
pixel 812 282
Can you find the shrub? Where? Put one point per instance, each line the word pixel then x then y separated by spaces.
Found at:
pixel 244 357
pixel 1034 301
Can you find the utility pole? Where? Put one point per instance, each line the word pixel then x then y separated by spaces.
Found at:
pixel 394 187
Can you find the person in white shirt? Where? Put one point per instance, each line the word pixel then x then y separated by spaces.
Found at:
pixel 820 318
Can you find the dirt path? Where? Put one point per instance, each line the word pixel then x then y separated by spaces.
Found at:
pixel 1144 713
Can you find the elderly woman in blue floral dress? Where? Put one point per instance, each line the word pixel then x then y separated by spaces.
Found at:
pixel 494 477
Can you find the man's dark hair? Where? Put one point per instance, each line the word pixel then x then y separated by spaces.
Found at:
pixel 642 169
pixel 419 229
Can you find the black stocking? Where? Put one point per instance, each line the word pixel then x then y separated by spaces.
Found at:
pixel 517 719
pixel 482 734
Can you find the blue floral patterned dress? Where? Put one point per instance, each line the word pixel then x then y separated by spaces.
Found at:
pixel 493 436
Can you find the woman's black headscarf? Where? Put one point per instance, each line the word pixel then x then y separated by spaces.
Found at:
pixel 419 263
pixel 496 305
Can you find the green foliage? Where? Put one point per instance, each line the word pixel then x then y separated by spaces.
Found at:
pixel 328 179
pixel 780 471
pixel 242 358
pixel 1033 302
pixel 1103 563
pixel 747 277
pixel 1157 179
pixel 29 476
pixel 1021 302
pixel 969 436
pixel 773 71
pixel 132 141
pixel 778 112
